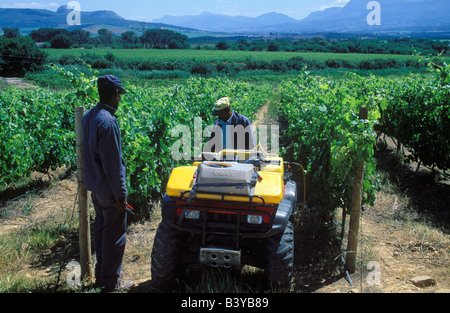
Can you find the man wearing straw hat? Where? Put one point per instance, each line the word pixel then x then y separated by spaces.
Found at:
pixel 235 129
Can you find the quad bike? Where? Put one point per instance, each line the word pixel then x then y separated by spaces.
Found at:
pixel 231 209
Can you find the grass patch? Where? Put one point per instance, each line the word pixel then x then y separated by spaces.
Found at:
pixel 30 257
pixel 21 283
pixel 19 248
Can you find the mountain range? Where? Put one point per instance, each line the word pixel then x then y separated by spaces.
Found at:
pixel 395 17
pixel 29 19
pixel 229 24
pixel 403 16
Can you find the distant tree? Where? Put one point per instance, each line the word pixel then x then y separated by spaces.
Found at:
pixel 272 46
pixel 129 38
pixel 61 42
pixel 222 45
pixel 320 41
pixel 257 45
pixel 163 39
pixel 80 36
pixel 9 32
pixel 175 44
pixel 105 35
pixel 47 34
pixel 242 44
pixel 147 40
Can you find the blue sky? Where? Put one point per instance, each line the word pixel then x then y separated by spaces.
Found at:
pixel 148 10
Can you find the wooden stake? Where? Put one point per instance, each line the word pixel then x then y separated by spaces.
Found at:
pixel 83 204
pixel 352 245
pixel 355 211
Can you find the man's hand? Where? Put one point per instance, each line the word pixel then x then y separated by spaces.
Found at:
pixel 120 203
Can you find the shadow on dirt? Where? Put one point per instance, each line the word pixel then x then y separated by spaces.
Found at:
pixel 317 250
pixel 429 193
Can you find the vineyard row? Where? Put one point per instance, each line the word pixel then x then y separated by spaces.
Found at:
pixel 319 116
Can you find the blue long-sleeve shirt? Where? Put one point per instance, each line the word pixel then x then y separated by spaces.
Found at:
pixel 234 138
pixel 104 167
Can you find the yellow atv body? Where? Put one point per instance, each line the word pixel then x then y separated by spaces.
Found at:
pixel 227 210
pixel 270 187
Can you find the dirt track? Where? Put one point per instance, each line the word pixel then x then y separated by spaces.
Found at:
pixel 16 82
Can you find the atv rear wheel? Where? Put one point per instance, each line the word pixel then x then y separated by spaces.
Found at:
pixel 280 259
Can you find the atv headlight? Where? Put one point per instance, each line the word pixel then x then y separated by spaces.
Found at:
pixel 254 219
pixel 192 214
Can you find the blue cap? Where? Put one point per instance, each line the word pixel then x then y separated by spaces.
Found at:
pixel 110 81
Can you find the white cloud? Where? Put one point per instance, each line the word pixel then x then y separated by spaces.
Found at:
pixel 32 5
pixel 336 3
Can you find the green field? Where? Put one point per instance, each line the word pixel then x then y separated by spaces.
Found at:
pixel 218 55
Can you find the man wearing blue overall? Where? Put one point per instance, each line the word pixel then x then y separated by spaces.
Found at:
pixel 104 174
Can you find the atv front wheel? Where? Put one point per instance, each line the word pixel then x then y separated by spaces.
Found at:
pixel 280 259
pixel 166 258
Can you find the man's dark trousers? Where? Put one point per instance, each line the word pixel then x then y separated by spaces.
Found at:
pixel 109 242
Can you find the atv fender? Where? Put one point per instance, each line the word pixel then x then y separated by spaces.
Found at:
pixel 290 192
pixel 168 209
pixel 284 213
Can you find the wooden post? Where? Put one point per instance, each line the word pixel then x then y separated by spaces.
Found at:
pixel 355 210
pixel 83 204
